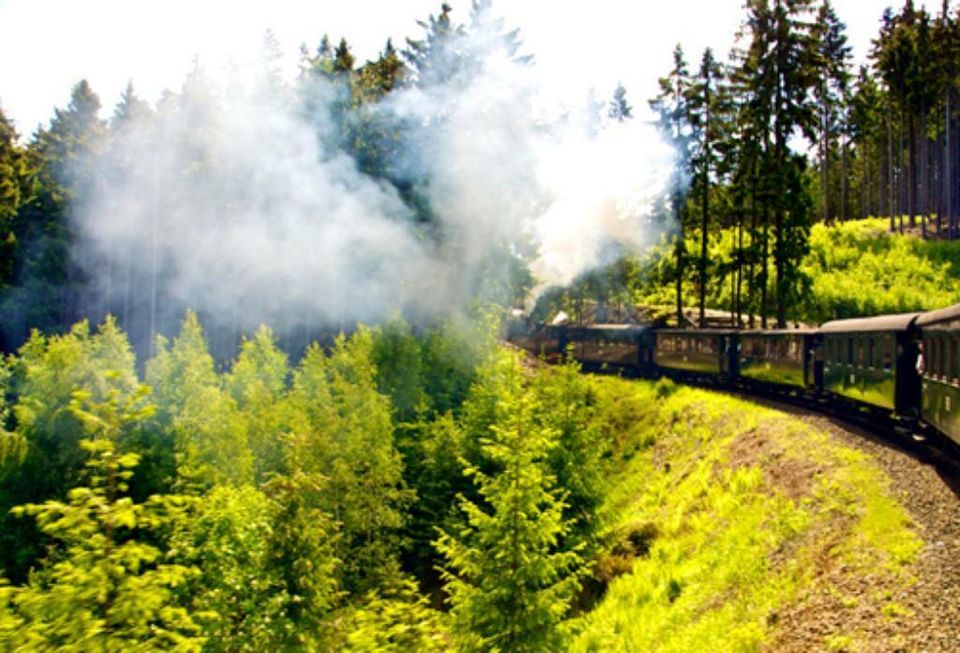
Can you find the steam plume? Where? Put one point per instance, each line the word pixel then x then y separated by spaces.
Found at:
pixel 232 200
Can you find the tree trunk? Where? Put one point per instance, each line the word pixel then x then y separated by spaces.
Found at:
pixel 843 180
pixel 739 288
pixel 704 220
pixel 890 182
pixel 764 267
pixel 679 255
pixel 751 270
pixel 824 162
pixel 947 172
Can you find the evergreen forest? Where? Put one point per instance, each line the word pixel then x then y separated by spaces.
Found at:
pixel 174 476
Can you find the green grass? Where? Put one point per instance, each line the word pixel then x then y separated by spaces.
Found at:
pixel 852 269
pixel 740 508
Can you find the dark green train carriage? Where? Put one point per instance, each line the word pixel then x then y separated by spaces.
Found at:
pixel 940 370
pixel 785 358
pixel 873 361
pixel 700 351
pixel 616 347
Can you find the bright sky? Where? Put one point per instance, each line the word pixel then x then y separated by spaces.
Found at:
pixel 48 45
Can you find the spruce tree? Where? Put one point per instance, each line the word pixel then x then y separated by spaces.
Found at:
pixel 830 91
pixel 707 104
pixel 14 191
pixel 619 109
pixel 510 584
pixel 109 584
pixel 671 106
pixel 195 416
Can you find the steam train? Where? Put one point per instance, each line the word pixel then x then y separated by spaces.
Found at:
pixel 902 369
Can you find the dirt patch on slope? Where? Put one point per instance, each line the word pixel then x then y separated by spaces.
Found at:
pixel 855 610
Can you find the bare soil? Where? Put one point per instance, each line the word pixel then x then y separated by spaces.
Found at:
pixel 926 616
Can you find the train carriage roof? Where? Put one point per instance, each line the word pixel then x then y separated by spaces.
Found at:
pixel 948 314
pixel 697 332
pixel 746 333
pixel 899 322
pixel 612 332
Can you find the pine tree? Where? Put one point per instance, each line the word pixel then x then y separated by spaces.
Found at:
pixel 436 59
pixel 257 383
pixel 778 68
pixel 341 429
pixel 14 192
pixel 196 416
pixel 707 104
pixel 510 584
pixel 671 106
pixel 109 585
pixel 831 89
pixel 619 109
pixel 47 283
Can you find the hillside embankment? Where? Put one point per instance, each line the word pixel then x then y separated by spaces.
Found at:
pixel 739 527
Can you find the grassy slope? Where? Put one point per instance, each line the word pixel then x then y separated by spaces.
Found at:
pixel 853 269
pixel 729 516
pixel 860 268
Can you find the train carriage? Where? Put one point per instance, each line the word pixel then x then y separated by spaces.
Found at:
pixel 872 361
pixel 700 351
pixel 624 347
pixel 940 370
pixel 784 358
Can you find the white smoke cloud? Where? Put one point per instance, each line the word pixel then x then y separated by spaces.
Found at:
pixel 230 200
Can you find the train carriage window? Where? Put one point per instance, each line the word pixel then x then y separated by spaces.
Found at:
pixel 936 362
pixel 707 345
pixel 943 353
pixel 860 352
pixel 888 353
pixel 850 350
pixel 870 345
pixel 952 370
pixel 942 368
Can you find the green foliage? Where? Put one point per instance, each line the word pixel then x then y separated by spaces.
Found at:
pixel 107 586
pixel 304 548
pixel 44 379
pixel 12 446
pixel 855 268
pixel 398 621
pixel 266 579
pixel 341 429
pixel 206 428
pixel 859 268
pixel 510 585
pixel 398 355
pixel 257 383
pixel 15 191
pixel 238 599
pixel 567 407
pixel 719 529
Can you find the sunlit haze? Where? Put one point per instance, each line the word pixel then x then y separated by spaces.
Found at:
pixel 48 45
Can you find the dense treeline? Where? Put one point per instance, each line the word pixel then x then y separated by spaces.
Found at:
pixel 47 277
pixel 881 141
pixel 851 269
pixel 332 504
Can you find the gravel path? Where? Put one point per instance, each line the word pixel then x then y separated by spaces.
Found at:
pixel 929 489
